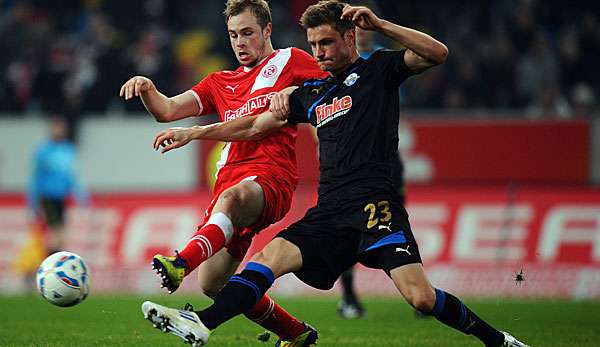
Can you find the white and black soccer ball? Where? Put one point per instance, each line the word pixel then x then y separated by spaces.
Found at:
pixel 63 279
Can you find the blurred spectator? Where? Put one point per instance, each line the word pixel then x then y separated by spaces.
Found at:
pixel 549 102
pixel 498 72
pixel 151 56
pixel 584 101
pixel 536 69
pixel 589 42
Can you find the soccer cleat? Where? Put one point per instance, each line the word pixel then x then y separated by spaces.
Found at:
pixel 307 338
pixel 182 323
pixel 170 269
pixel 510 341
pixel 350 310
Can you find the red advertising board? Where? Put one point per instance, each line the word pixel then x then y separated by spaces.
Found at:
pixel 472 239
pixel 499 151
pixel 471 151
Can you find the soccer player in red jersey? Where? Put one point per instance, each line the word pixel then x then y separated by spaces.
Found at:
pixel 255 180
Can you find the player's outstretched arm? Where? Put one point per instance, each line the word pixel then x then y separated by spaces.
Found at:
pixel 423 51
pixel 242 129
pixel 162 108
pixel 247 128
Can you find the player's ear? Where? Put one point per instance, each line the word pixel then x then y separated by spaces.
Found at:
pixel 350 37
pixel 267 30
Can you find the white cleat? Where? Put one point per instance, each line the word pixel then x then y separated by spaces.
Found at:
pixel 510 341
pixel 182 323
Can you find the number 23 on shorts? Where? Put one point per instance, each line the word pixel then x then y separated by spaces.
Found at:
pixel 379 212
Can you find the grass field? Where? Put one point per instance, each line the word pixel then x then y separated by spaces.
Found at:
pixel 117 321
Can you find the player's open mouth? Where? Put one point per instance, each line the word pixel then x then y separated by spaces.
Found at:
pixel 243 55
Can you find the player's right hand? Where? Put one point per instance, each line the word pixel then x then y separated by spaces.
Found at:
pixel 135 86
pixel 363 17
pixel 280 102
pixel 172 138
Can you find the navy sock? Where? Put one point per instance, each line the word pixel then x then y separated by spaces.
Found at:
pixel 239 295
pixel 451 311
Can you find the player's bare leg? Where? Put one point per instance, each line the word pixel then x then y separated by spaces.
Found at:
pixel 414 286
pixel 238 206
pixel 214 273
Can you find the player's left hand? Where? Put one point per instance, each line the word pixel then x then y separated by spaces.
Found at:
pixel 362 17
pixel 172 138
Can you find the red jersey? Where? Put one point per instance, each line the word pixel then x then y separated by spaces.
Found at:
pixel 248 91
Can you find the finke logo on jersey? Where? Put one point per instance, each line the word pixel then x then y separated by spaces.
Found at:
pixel 256 103
pixel 269 71
pixel 328 112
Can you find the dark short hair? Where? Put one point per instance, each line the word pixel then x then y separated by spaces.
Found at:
pixel 260 9
pixel 326 12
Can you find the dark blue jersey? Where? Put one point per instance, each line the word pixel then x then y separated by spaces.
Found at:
pixel 356 115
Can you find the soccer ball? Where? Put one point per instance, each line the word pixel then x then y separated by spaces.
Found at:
pixel 63 279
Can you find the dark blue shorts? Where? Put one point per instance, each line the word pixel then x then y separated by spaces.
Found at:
pixel 335 235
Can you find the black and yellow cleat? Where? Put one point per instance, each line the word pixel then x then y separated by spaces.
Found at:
pixel 170 269
pixel 307 338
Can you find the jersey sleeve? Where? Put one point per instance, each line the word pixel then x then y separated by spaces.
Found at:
pixel 204 96
pixel 305 67
pixel 300 103
pixel 391 65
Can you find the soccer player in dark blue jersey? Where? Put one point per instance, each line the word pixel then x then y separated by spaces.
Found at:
pixel 359 216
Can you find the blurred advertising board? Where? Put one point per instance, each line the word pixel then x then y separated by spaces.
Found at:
pixel 472 239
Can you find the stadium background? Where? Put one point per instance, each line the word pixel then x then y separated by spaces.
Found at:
pixel 501 144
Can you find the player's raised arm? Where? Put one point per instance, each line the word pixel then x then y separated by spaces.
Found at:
pixel 162 108
pixel 423 51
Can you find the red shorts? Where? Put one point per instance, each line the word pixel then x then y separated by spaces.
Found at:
pixel 278 199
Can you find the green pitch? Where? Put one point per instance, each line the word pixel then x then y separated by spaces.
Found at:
pixel 117 321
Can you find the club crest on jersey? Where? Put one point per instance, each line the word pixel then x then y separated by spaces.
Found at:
pixel 269 71
pixel 328 112
pixel 351 79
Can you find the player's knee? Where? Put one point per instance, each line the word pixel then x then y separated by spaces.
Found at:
pixel 232 197
pixel 422 300
pixel 281 256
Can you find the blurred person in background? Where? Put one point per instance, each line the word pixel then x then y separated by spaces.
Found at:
pixel 255 180
pixel 54 179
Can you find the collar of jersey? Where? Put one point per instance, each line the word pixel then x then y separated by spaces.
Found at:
pixel 248 69
pixel 350 69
